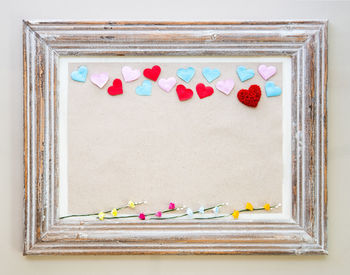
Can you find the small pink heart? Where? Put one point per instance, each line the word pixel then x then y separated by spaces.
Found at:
pixel 129 74
pixel 167 84
pixel 99 79
pixel 225 86
pixel 266 71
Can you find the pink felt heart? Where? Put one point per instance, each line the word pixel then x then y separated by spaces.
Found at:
pixel 130 74
pixel 167 84
pixel 99 79
pixel 225 86
pixel 266 71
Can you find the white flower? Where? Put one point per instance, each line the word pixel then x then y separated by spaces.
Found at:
pixel 189 212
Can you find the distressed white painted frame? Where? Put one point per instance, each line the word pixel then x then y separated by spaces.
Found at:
pixel 305 42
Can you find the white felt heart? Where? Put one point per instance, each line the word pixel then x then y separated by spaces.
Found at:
pixel 266 71
pixel 225 86
pixel 167 84
pixel 99 79
pixel 130 74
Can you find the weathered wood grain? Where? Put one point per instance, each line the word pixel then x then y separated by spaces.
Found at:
pixel 304 41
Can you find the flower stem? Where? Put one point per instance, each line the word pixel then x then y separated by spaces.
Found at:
pixel 95 214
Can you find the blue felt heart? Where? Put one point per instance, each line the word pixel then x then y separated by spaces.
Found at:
pixel 271 89
pixel 186 74
pixel 244 73
pixel 210 74
pixel 80 75
pixel 145 88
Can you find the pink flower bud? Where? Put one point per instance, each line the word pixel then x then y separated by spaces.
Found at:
pixel 159 214
pixel 171 206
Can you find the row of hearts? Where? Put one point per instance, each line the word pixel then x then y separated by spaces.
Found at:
pixel 187 74
pixel 250 97
pixel 129 75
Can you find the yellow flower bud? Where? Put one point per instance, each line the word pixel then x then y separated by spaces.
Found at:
pixel 249 206
pixel 267 207
pixel 101 216
pixel 235 214
pixel 131 204
pixel 114 212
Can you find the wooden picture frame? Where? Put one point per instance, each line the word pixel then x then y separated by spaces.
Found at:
pixel 305 42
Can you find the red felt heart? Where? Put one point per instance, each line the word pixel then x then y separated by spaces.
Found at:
pixel 251 96
pixel 152 73
pixel 204 91
pixel 117 88
pixel 183 93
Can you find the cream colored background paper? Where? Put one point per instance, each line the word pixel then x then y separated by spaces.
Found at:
pixel 156 148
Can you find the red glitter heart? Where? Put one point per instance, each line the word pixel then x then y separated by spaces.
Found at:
pixel 251 96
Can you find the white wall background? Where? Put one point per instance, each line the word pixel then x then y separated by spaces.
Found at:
pixel 11 175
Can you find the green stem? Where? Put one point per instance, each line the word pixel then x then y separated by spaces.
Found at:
pixel 95 214
pixel 183 215
pixel 134 216
pixel 212 217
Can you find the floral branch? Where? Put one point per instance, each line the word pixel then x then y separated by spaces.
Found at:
pixel 114 211
pixel 113 214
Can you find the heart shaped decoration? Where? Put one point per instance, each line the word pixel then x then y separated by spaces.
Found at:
pixel 251 96
pixel 210 74
pixel 272 89
pixel 145 89
pixel 167 84
pixel 116 88
pixel 266 71
pixel 130 74
pixel 99 79
pixel 80 74
pixel 186 74
pixel 244 73
pixel 152 73
pixel 183 93
pixel 204 91
pixel 225 86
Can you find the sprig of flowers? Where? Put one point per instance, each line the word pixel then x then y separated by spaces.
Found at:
pixel 158 215
pixel 102 214
pixel 142 216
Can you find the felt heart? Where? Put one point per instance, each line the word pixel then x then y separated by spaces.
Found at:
pixel 129 74
pixel 210 74
pixel 183 93
pixel 167 84
pixel 80 74
pixel 152 73
pixel 271 89
pixel 244 73
pixel 117 88
pixel 225 86
pixel 99 79
pixel 266 71
pixel 186 74
pixel 145 89
pixel 251 96
pixel 204 91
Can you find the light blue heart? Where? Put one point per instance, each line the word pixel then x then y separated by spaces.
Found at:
pixel 210 74
pixel 145 89
pixel 186 74
pixel 244 73
pixel 271 89
pixel 80 74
